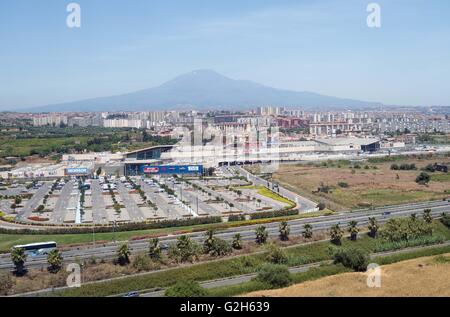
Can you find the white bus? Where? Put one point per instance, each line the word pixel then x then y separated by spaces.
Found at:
pixel 41 248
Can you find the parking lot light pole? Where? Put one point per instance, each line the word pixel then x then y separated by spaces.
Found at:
pixel 114 231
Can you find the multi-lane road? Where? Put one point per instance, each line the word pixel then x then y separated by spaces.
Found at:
pixel 248 232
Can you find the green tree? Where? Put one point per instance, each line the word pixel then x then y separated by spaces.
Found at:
pixel 353 258
pixel 284 231
pixel 276 254
pixel 123 254
pixel 373 227
pixel 220 247
pixel 336 234
pixel 18 258
pixel 353 230
pixel 237 241
pixel 427 216
pixel 55 261
pixel 423 178
pixel 18 200
pixel 154 250
pixel 307 231
pixel 209 241
pixel 261 235
pixel 274 275
pixel 184 249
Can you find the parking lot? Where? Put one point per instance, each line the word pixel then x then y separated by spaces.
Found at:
pixel 137 199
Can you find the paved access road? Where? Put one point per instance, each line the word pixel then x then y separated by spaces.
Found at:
pixel 248 232
pixel 34 202
pixel 305 205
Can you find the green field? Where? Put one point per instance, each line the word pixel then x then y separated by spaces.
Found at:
pixel 25 147
pixel 440 177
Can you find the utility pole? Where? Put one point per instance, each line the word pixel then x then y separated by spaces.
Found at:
pixel 93 235
pixel 114 231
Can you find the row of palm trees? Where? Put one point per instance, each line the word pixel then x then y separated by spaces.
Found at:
pixel 19 257
pixel 55 259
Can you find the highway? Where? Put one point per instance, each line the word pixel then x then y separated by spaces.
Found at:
pixel 108 250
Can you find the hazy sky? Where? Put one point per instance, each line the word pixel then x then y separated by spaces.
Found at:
pixel 323 46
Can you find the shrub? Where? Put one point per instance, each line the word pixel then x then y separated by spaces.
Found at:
pixel 321 206
pixel 274 214
pixel 422 241
pixel 184 250
pixel 142 263
pixel 232 218
pixel 220 247
pixel 404 229
pixel 423 179
pixel 446 220
pixel 186 289
pixel 122 227
pixel 355 259
pixel 276 255
pixel 274 275
pixel 343 184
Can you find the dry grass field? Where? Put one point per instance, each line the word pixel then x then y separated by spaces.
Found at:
pixel 370 184
pixel 419 277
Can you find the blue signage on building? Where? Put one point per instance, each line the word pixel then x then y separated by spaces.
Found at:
pixel 173 169
pixel 76 171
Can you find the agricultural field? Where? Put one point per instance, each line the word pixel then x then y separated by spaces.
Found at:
pixel 343 185
pixel 429 276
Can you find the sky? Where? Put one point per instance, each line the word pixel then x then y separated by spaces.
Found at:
pixel 323 46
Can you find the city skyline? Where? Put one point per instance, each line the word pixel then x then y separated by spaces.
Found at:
pixel 323 47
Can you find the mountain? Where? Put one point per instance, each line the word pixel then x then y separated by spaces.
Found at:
pixel 206 89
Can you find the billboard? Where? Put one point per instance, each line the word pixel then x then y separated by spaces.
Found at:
pixel 173 169
pixel 79 171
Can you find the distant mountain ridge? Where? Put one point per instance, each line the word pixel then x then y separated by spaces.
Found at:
pixel 206 90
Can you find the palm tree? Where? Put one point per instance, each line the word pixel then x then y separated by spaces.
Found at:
pixel 209 241
pixel 373 227
pixel 55 260
pixel 307 232
pixel 336 234
pixel 237 241
pixel 261 235
pixel 353 230
pixel 154 249
pixel 427 216
pixel 284 231
pixel 123 254
pixel 18 257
